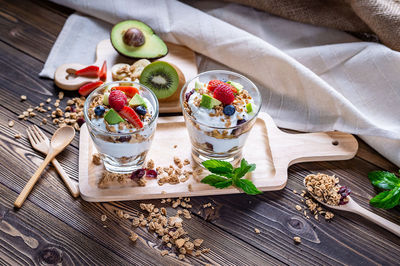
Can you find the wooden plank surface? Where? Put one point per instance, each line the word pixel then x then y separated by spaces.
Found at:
pixel 63 228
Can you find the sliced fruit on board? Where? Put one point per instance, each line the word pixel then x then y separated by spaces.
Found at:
pixel 137 100
pixel 86 89
pixel 164 79
pixel 130 115
pixel 116 74
pixel 90 71
pixel 112 117
pixel 135 39
pixel 103 71
pixel 208 102
pixel 128 90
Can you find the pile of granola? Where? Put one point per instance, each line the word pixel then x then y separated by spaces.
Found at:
pixel 324 187
pixel 169 228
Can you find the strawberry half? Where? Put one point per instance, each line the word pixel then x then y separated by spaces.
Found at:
pixel 90 71
pixel 212 84
pixel 128 90
pixel 103 71
pixel 132 117
pixel 224 94
pixel 86 89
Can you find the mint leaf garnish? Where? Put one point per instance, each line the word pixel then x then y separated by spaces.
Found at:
pixel 224 184
pixel 386 199
pixel 218 167
pixel 213 179
pixel 224 175
pixel 247 186
pixel 389 181
pixel 384 180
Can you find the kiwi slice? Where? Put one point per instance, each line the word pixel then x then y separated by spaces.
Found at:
pixel 161 77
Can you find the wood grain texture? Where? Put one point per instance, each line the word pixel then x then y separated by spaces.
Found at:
pixel 73 230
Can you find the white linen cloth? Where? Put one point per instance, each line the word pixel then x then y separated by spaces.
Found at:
pixel 311 78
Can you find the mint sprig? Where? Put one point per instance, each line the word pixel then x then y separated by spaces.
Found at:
pixel 391 183
pixel 224 175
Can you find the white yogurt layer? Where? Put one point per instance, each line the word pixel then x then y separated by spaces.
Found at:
pixel 122 149
pixel 202 115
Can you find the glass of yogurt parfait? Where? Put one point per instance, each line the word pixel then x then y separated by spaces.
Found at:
pixel 121 118
pixel 220 108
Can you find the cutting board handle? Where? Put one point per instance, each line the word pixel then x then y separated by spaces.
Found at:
pixel 321 146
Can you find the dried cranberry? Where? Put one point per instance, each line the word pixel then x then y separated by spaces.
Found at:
pixel 80 121
pixel 344 192
pixel 124 138
pixel 73 109
pixel 139 173
pixel 151 174
pixel 241 121
pixel 187 95
pixel 209 146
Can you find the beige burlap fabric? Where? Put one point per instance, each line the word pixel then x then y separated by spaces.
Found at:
pixel 381 17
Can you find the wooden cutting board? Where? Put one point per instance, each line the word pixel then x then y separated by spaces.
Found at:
pixel 180 56
pixel 271 149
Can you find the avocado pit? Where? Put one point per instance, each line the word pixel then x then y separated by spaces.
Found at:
pixel 134 37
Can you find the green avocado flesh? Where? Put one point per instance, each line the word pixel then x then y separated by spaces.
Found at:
pixel 249 108
pixel 237 85
pixel 161 78
pixel 112 117
pixel 153 46
pixel 137 100
pixel 208 101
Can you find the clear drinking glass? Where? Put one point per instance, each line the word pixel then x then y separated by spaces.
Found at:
pixel 122 152
pixel 222 143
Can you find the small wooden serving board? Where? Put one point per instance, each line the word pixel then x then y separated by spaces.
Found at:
pixel 181 56
pixel 271 149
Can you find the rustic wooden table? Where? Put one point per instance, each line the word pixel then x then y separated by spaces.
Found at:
pixel 52 227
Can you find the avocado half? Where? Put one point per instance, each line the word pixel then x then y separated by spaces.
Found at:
pixel 135 39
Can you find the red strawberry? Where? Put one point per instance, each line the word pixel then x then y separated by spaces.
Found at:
pixel 224 93
pixel 130 115
pixel 103 71
pixel 129 90
pixel 86 89
pixel 117 100
pixel 234 90
pixel 90 71
pixel 212 84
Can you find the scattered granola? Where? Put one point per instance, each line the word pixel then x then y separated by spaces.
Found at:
pixel 257 230
pixel 23 97
pixel 169 228
pixel 11 123
pixel 18 135
pixel 297 239
pixel 103 218
pixel 133 236
pixel 96 159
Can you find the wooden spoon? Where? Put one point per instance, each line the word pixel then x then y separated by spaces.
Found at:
pixel 61 138
pixel 353 207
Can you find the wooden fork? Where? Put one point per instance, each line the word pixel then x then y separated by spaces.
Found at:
pixel 41 143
